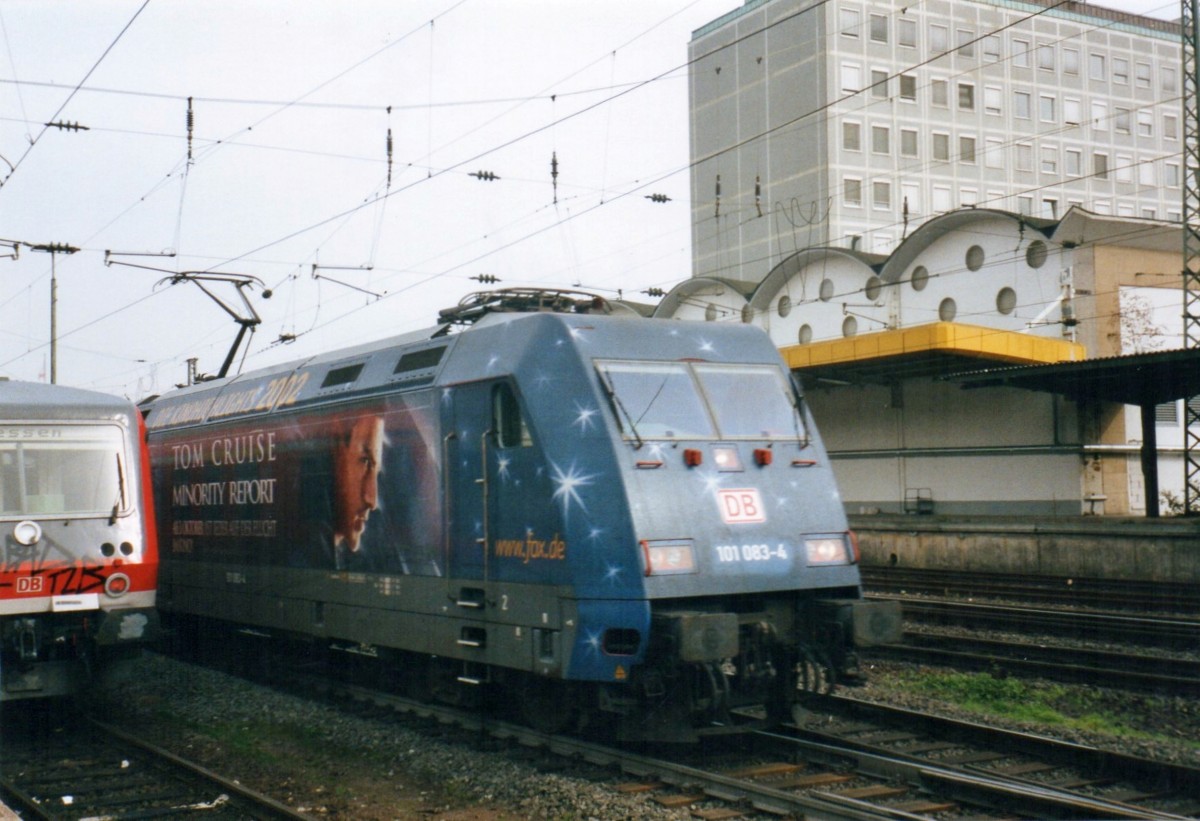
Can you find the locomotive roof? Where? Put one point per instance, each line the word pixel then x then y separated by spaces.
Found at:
pixel 37 400
pixel 420 358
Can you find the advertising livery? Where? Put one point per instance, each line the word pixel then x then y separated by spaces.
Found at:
pixel 599 514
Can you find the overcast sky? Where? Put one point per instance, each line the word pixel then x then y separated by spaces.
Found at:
pixel 287 167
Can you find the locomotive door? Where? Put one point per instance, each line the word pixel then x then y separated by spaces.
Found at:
pixel 467 426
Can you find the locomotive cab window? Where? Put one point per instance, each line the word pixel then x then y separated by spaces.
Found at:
pixel 62 470
pixel 507 420
pixel 682 400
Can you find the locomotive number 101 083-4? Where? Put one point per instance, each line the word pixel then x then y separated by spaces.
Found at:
pixel 750 552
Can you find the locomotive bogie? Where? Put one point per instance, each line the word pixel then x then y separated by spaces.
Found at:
pixel 514 502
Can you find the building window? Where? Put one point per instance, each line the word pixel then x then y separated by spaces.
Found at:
pixel 879 84
pixel 1100 165
pixel 1045 58
pixel 1046 112
pixel 1166 74
pixel 910 193
pixel 851 136
pixel 1149 213
pixel 879 28
pixel 1074 162
pixel 1141 76
pixel 850 21
pixel 941 146
pixel 991 48
pixel 851 77
pixel 1025 205
pixel 1120 71
pixel 966 96
pixel 919 278
pixel 1145 123
pixel 1024 157
pixel 908 87
pixel 880 139
pixel 1121 120
pixel 1022 105
pixel 966 150
pixel 906 33
pixel 1170 127
pixel 939 39
pixel 939 91
pixel 881 195
pixel 908 142
pixel 966 43
pixel 1124 169
pixel 1097 67
pixel 947 310
pixel 993 97
pixel 993 153
pixel 1049 159
pixel 1070 61
pixel 852 187
pixel 1020 53
pixel 1006 301
pixel 942 201
pixel 968 198
pixel 1072 111
pixel 1171 174
pixel 1146 174
pixel 1099 116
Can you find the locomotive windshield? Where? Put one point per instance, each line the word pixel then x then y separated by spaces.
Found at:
pixel 683 400
pixel 57 470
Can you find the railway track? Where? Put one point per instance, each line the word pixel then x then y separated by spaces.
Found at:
pixel 82 769
pixel 1103 594
pixel 854 760
pixel 1130 670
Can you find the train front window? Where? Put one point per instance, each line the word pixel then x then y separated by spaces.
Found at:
pixel 657 400
pixel 750 401
pixel 62 470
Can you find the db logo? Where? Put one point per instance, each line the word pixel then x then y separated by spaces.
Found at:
pixel 741 506
pixel 31 584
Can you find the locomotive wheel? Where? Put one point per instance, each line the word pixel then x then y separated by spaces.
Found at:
pixel 546 705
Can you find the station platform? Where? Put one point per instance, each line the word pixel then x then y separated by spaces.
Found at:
pixel 1099 547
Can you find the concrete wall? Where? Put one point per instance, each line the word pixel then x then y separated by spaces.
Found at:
pixel 1082 547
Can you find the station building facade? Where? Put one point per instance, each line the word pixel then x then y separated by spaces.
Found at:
pixel 849 123
pixel 884 344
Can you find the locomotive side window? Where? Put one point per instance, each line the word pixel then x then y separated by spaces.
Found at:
pixel 657 400
pixel 750 401
pixel 60 470
pixel 507 420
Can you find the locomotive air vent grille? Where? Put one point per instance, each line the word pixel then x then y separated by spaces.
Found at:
pixel 418 365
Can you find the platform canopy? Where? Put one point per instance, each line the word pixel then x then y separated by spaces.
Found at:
pixel 1145 380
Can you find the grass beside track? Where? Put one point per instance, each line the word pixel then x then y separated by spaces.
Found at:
pixel 1037 702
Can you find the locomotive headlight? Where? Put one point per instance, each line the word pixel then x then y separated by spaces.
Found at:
pixel 117 585
pixel 664 558
pixel 827 550
pixel 27 533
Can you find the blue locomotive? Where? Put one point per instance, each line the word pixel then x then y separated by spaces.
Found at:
pixel 594 516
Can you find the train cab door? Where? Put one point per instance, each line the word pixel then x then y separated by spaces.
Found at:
pixel 467 426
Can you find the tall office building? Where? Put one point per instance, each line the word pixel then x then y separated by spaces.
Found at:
pixel 848 123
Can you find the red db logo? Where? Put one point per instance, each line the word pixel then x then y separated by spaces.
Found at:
pixel 741 506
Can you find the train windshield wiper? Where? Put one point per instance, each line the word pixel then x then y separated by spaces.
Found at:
pixel 112 519
pixel 616 400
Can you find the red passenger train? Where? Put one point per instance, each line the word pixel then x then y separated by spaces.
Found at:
pixel 79 554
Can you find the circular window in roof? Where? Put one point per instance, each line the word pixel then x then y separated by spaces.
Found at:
pixel 710 313
pixel 1035 254
pixel 920 278
pixel 975 257
pixel 947 310
pixel 849 326
pixel 747 314
pixel 1006 301
pixel 826 293
pixel 805 334
pixel 785 305
pixel 873 288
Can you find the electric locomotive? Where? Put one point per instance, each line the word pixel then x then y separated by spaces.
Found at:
pixel 80 557
pixel 590 516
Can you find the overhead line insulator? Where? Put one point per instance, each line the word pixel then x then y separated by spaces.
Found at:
pixel 486 176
